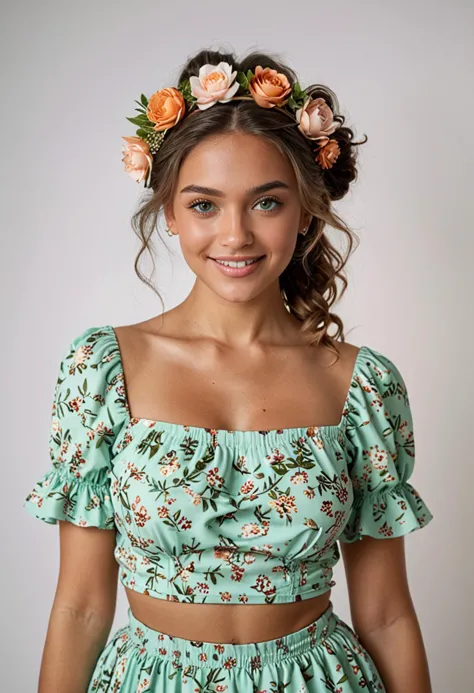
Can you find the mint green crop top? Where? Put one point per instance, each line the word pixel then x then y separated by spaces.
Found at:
pixel 220 516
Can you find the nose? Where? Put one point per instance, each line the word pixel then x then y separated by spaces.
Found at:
pixel 234 231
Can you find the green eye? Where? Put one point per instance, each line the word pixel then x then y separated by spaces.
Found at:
pixel 269 199
pixel 195 205
pixel 198 204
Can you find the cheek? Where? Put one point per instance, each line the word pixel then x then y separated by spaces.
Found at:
pixel 195 241
pixel 282 245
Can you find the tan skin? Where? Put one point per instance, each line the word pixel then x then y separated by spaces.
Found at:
pixel 230 356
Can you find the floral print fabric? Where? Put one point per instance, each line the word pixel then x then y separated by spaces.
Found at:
pixel 326 655
pixel 219 516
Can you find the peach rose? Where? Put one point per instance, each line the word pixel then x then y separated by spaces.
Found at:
pixel 328 153
pixel 137 158
pixel 213 84
pixel 269 88
pixel 315 119
pixel 166 108
pixel 222 553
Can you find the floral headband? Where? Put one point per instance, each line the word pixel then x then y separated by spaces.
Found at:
pixel 219 84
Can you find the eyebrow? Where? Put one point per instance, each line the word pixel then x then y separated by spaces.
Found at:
pixel 271 185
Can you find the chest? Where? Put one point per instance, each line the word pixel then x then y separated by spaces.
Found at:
pixel 278 391
pixel 191 492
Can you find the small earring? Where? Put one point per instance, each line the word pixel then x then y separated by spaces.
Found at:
pixel 305 231
pixel 169 231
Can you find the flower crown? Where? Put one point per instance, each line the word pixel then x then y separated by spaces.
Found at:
pixel 219 84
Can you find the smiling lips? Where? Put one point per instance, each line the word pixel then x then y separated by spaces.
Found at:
pixel 237 266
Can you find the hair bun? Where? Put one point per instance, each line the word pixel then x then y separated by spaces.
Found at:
pixel 338 178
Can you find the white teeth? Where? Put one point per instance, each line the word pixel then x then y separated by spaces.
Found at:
pixel 230 263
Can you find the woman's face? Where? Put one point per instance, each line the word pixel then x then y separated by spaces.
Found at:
pixel 232 221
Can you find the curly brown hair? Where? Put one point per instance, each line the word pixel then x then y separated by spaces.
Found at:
pixel 308 285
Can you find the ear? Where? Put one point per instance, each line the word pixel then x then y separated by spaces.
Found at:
pixel 305 219
pixel 169 215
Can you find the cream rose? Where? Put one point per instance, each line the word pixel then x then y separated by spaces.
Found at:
pixel 214 83
pixel 166 108
pixel 269 88
pixel 315 119
pixel 137 158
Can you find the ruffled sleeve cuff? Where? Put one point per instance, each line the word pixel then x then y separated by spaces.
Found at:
pixel 59 495
pixel 387 512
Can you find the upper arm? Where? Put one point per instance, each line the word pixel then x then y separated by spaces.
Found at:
pixel 386 506
pixel 377 581
pixel 75 492
pixel 88 571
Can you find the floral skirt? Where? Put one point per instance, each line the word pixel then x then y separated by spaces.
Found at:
pixel 324 656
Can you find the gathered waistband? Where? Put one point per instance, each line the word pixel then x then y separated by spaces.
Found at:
pixel 183 651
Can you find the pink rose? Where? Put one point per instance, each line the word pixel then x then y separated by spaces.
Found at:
pixel 213 84
pixel 137 158
pixel 315 119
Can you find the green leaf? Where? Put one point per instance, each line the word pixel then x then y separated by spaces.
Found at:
pixel 242 80
pixel 153 450
pixel 124 501
pixel 292 103
pixel 306 464
pixel 144 100
pixel 279 469
pixel 133 120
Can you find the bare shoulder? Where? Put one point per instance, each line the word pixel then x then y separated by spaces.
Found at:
pixel 335 370
pixel 139 340
pixel 348 350
pixel 346 358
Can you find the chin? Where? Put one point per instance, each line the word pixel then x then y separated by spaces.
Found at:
pixel 235 294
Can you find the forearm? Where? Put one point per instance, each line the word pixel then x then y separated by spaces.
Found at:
pixel 73 643
pixel 399 655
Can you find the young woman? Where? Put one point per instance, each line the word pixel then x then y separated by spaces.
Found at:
pixel 215 458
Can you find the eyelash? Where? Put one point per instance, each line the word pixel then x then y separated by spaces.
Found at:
pixel 205 214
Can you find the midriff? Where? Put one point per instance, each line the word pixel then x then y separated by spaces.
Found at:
pixel 225 623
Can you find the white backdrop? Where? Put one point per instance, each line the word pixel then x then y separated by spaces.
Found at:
pixel 403 74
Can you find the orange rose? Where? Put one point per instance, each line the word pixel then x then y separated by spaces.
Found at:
pixel 137 158
pixel 166 108
pixel 315 119
pixel 269 88
pixel 328 153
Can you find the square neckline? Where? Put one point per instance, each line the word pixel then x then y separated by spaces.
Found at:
pixel 250 433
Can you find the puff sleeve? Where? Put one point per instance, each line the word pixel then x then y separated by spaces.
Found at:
pixel 87 414
pixel 381 450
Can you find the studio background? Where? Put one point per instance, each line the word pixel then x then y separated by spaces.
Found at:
pixel 403 76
